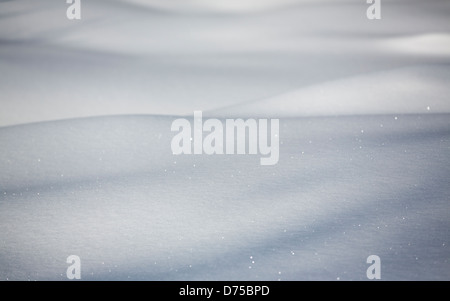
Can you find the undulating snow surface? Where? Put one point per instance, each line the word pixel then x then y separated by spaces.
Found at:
pixel 86 166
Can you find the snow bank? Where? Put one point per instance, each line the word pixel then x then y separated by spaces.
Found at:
pixel 109 190
pixel 412 90
pixel 86 166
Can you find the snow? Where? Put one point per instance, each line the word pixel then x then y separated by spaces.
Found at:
pixel 412 90
pixel 86 166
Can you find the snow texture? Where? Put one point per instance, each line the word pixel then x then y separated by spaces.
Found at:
pixel 86 166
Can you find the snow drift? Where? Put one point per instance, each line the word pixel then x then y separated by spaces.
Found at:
pixel 86 166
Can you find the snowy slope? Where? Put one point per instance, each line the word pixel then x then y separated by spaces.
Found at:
pixel 110 191
pixel 125 58
pixel 412 90
pixel 86 166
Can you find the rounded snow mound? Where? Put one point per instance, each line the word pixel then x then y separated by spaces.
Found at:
pixel 418 89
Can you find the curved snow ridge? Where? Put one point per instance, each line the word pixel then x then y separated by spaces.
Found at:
pixel 85 149
pixel 217 6
pixel 412 90
pixel 436 44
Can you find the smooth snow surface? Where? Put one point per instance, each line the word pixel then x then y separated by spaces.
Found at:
pixel 86 166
